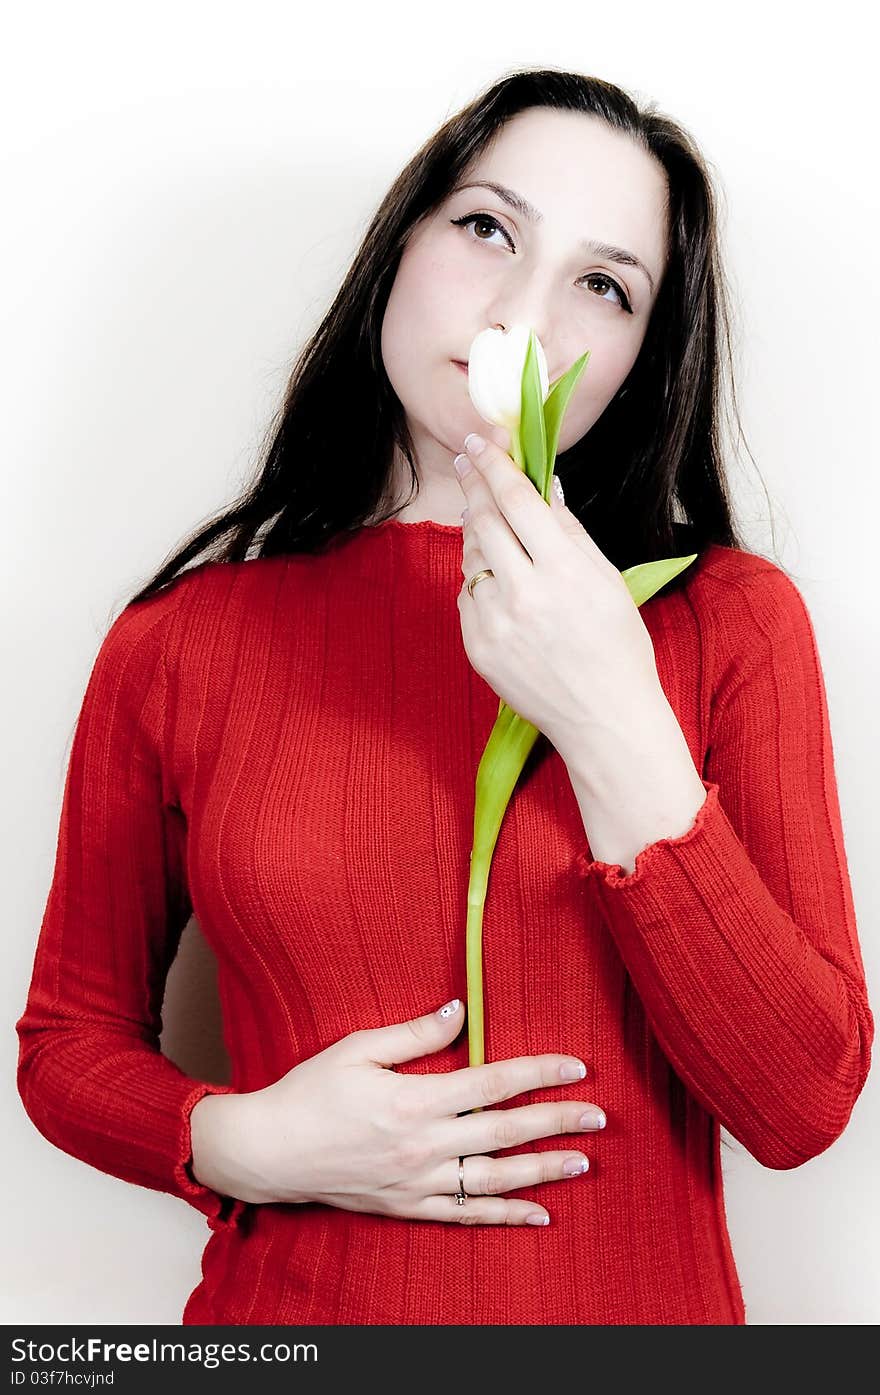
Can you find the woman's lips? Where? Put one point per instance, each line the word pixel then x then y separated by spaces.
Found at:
pixel 459 364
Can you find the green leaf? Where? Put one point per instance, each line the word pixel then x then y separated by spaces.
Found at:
pixel 644 580
pixel 554 408
pixel 533 441
pixel 501 765
pixel 493 752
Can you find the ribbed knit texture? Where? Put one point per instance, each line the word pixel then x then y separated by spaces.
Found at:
pixel 288 748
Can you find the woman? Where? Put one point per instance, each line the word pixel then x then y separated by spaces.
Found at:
pixel 287 744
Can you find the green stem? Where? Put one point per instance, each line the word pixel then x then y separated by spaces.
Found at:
pixel 503 759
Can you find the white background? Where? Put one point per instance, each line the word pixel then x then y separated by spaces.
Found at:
pixel 184 186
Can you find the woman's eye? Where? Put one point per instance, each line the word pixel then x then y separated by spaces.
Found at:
pixel 488 221
pixel 621 297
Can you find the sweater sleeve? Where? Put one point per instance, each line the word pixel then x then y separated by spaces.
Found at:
pixel 90 1072
pixel 740 935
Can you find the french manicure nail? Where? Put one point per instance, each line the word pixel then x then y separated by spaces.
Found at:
pixel 574 1167
pixel 572 1070
pixel 593 1119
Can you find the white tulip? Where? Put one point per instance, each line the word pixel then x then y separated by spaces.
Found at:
pixel 495 369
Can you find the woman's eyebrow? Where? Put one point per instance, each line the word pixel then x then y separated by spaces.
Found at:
pixel 528 210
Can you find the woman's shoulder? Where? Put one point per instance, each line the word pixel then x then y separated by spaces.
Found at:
pixel 748 602
pixel 211 578
pixel 207 583
pixel 722 573
pixel 196 600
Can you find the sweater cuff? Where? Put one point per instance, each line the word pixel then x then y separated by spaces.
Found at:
pixel 223 1212
pixel 652 861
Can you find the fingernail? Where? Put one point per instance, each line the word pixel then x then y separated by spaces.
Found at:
pixel 572 1070
pixel 449 1008
pixel 536 1219
pixel 473 443
pixel 574 1167
pixel 462 465
pixel 557 485
pixel 593 1119
pixel 464 516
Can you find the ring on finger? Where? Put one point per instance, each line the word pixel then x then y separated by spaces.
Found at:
pixel 461 1195
pixel 478 576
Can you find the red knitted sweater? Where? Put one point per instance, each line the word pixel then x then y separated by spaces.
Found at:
pixel 287 747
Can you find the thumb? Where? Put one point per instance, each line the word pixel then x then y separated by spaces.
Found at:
pixel 404 1041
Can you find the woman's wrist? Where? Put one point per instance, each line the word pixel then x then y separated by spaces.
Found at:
pixel 225 1143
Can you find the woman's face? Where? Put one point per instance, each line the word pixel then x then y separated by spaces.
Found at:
pixel 460 274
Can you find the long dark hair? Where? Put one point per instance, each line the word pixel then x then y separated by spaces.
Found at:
pixel 647 480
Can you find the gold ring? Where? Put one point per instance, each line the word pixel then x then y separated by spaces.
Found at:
pixel 487 571
pixel 461 1194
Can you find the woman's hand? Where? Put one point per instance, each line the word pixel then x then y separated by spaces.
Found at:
pixel 344 1129
pixel 554 631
